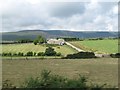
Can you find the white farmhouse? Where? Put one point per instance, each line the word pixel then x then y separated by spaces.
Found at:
pixel 56 41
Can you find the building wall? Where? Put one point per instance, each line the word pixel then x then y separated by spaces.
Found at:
pixel 55 41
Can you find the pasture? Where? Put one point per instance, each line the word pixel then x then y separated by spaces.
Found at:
pixel 100 46
pixel 15 48
pixel 101 70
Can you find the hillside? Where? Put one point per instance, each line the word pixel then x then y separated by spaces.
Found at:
pixel 31 34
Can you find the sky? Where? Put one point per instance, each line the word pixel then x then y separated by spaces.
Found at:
pixel 58 15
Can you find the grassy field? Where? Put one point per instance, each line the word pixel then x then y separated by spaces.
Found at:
pixel 104 70
pixel 101 46
pixel 64 50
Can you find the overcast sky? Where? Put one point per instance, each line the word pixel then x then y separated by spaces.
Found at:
pixel 76 16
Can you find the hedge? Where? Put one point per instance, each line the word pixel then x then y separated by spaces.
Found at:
pixel 80 55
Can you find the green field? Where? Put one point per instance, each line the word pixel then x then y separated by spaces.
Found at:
pixel 101 46
pixel 104 70
pixel 14 48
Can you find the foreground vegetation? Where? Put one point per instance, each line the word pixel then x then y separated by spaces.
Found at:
pixel 100 70
pixel 101 46
pixel 48 80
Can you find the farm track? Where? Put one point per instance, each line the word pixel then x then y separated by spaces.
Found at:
pixel 74 47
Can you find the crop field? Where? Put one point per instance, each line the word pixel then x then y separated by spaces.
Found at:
pixel 14 48
pixel 100 71
pixel 101 46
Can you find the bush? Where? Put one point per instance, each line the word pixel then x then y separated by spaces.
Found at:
pixel 20 54
pixel 80 55
pixel 29 53
pixel 48 80
pixel 117 55
pixel 50 51
pixel 7 54
pixel 35 42
pixel 15 54
pixel 40 54
pixel 4 54
pixel 58 54
pixel 34 53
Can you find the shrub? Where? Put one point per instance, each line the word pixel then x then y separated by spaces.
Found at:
pixel 35 42
pixel 4 54
pixel 81 55
pixel 15 54
pixel 48 80
pixel 40 54
pixel 50 51
pixel 34 53
pixel 20 54
pixel 100 38
pixel 29 53
pixel 58 54
pixel 77 83
pixel 9 54
pixel 116 55
pixel 58 47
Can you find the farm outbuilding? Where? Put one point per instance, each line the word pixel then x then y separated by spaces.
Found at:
pixel 56 41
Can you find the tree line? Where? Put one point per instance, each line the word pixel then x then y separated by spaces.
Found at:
pixel 48 52
pixel 40 40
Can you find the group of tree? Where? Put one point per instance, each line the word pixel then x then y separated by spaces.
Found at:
pixel 39 40
pixel 96 38
pixel 70 38
pixel 8 42
pixel 82 39
pixel 25 41
pixel 48 52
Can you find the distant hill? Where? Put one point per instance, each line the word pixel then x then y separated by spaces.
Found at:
pixel 32 34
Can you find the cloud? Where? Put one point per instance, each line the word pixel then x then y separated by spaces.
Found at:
pixel 65 9
pixel 115 9
pixel 85 16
